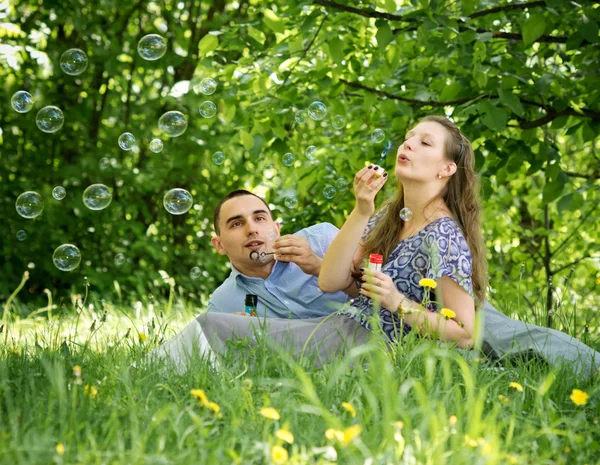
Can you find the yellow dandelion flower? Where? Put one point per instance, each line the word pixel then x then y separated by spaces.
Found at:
pixel 77 371
pixel 270 413
pixel 447 313
pixel 247 383
pixel 399 424
pixel 567 449
pixel 213 406
pixel 279 455
pixel 143 337
pixel 90 391
pixel 200 395
pixel 598 280
pixel 60 449
pixel 517 386
pixel 470 442
pixel 512 459
pixel 503 399
pixel 285 435
pixel 579 397
pixel 453 420
pixel 349 409
pixel 426 282
pixel 351 433
pixel 332 434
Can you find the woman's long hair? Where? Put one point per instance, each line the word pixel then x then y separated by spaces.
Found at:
pixel 461 195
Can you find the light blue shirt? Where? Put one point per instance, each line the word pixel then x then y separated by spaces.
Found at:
pixel 288 292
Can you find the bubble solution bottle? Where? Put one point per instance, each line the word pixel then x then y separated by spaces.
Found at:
pixel 375 262
pixel 250 304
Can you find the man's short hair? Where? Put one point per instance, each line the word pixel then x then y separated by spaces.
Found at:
pixel 231 195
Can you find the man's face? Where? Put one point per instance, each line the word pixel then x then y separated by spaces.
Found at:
pixel 245 225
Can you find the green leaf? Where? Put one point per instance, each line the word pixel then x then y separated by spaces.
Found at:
pixel 511 100
pixel 247 140
pixel 493 117
pixel 533 29
pixel 384 36
pixel 273 22
pixel 208 44
pixel 553 190
pixel 589 30
pixel 450 92
pixel 336 49
pixel 257 35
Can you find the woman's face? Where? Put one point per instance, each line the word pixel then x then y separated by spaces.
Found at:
pixel 421 155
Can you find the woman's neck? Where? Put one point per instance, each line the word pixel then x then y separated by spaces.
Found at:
pixel 425 207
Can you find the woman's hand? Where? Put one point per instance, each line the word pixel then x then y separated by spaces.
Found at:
pixel 380 287
pixel 367 183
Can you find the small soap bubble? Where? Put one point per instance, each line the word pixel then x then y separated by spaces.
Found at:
pixel 291 202
pixel 311 152
pixel 317 111
pixel 288 159
pixel 73 62
pixel 341 185
pixel 208 109
pixel 151 47
pixel 378 136
pixel 338 122
pixel 406 214
pixel 22 235
pixel 119 259
pixel 126 141
pixel 300 117
pixel 29 204
pixel 208 86
pixel 156 145
pixel 218 158
pixel 173 123
pixel 22 101
pixel 97 197
pixel 66 257
pixel 59 192
pixel 104 163
pixel 178 201
pixel 329 192
pixel 328 132
pixel 195 272
pixel 49 119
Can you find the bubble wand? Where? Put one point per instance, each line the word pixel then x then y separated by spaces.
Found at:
pixel 386 149
pixel 255 256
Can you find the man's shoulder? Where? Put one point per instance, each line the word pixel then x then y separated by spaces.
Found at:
pixel 316 229
pixel 225 288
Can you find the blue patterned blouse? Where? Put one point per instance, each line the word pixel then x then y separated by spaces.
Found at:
pixel 439 249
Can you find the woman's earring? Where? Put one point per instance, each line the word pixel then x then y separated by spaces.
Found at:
pixel 439 176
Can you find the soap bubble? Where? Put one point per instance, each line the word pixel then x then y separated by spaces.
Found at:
pixel 311 152
pixel 151 47
pixel 406 214
pixel 22 101
pixel 66 257
pixel 156 145
pixel 50 119
pixel 317 111
pixel 291 201
pixel 22 235
pixel 377 136
pixel 341 184
pixel 288 159
pixel 29 204
pixel 59 192
pixel 178 201
pixel 338 122
pixel 328 132
pixel 218 158
pixel 195 272
pixel 119 259
pixel 329 192
pixel 104 163
pixel 126 141
pixel 73 62
pixel 173 123
pixel 300 117
pixel 208 109
pixel 208 86
pixel 97 197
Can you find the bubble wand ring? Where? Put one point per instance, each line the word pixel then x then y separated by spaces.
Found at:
pixel 255 256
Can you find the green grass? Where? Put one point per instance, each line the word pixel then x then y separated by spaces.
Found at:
pixel 147 415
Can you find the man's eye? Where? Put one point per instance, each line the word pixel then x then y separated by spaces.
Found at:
pixel 237 223
pixel 426 143
pixel 261 218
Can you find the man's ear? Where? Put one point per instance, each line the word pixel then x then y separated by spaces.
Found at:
pixel 216 242
pixel 278 227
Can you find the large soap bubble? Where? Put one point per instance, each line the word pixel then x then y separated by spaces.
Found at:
pixel 317 111
pixel 311 152
pixel 97 197
pixel 22 235
pixel 22 101
pixel 195 272
pixel 218 158
pixel 74 61
pixel 208 109
pixel 49 119
pixel 66 257
pixel 29 204
pixel 126 141
pixel 59 192
pixel 173 123
pixel 119 259
pixel 406 214
pixel 291 201
pixel 341 184
pixel 156 145
pixel 288 159
pixel 300 117
pixel 377 136
pixel 208 86
pixel 151 47
pixel 178 201
pixel 338 122
pixel 329 192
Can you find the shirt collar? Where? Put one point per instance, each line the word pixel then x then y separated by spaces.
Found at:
pixel 238 275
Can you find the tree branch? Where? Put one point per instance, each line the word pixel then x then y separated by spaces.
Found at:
pixel 366 12
pixel 576 229
pixel 574 262
pixel 594 175
pixel 498 9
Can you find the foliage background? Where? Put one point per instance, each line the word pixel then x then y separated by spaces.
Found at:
pixel 520 79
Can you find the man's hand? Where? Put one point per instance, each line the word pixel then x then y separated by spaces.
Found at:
pixel 296 249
